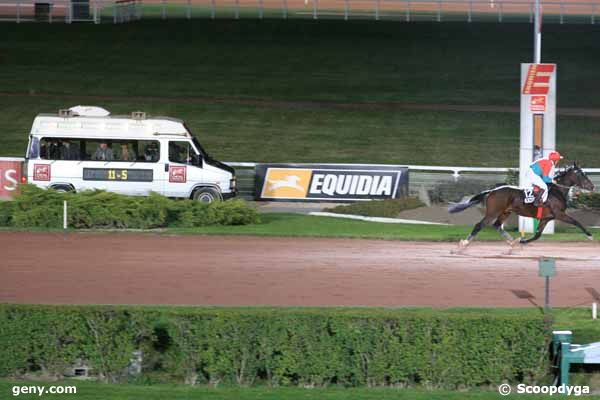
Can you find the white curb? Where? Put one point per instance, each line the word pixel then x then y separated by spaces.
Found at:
pixel 376 219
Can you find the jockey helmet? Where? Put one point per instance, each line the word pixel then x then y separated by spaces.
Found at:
pixel 554 156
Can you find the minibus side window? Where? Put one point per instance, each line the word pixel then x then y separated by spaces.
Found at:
pixel 148 150
pixel 182 152
pixel 121 150
pixel 125 150
pixel 99 150
pixel 57 149
pixel 49 149
pixel 34 148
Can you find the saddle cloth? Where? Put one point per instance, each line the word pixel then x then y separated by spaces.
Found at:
pixel 529 194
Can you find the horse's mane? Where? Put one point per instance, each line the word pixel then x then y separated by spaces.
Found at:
pixel 563 172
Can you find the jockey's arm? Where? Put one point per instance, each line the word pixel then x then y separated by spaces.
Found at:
pixel 549 178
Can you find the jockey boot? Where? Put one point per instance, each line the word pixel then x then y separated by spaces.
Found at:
pixel 537 202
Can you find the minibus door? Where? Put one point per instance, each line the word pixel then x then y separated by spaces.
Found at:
pixel 182 170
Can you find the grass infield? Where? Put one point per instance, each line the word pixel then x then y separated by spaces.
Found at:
pixel 241 85
pixel 98 391
pixel 296 225
pixel 299 225
pixel 370 61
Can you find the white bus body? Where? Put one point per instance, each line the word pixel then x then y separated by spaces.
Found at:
pixel 128 155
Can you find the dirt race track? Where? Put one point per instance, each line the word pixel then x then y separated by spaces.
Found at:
pixel 216 270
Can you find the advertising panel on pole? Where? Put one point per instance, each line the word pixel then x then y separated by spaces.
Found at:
pixel 538 123
pixel 318 182
pixel 10 175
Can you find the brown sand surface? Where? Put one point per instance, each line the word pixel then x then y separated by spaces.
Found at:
pixel 125 268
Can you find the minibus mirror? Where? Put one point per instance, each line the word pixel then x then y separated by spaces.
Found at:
pixel 200 161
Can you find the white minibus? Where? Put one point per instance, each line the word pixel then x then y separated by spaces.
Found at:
pixel 85 148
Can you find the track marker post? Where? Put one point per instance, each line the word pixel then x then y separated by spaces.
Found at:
pixel 594 310
pixel 65 215
pixel 547 269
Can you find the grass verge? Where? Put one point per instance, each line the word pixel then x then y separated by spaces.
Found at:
pixel 296 225
pixel 385 208
pixel 98 391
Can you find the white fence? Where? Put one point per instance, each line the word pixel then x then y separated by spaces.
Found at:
pixel 455 172
pixel 66 11
pixel 421 176
pixel 116 11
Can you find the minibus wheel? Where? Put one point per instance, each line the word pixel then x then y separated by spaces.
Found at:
pixel 206 195
pixel 63 188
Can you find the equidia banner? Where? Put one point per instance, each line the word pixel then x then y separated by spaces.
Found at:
pixel 318 182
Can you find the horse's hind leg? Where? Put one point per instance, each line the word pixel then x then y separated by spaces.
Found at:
pixel 498 225
pixel 478 226
pixel 542 224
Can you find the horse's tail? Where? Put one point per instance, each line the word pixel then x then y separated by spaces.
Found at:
pixel 463 205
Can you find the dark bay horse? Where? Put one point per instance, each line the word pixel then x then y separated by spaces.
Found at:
pixel 504 200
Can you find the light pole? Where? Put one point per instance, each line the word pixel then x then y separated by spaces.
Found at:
pixel 538 112
pixel 537 34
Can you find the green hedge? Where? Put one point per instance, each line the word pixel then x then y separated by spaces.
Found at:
pixel 304 347
pixel 455 191
pixel 39 208
pixel 587 200
pixel 380 208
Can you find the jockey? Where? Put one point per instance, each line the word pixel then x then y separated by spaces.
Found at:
pixel 541 173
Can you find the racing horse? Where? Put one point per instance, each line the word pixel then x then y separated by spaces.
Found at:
pixel 502 201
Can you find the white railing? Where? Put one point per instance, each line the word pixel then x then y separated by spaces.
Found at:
pixel 69 11
pixel 456 171
pixel 126 11
pixel 12 159
pixel 422 176
pixel 426 168
pixel 563 11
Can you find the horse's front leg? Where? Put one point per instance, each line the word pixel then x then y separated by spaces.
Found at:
pixel 564 217
pixel 541 226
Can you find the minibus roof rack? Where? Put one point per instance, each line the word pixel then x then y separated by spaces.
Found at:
pixel 138 115
pixel 65 113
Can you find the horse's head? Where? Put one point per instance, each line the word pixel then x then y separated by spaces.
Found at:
pixel 574 176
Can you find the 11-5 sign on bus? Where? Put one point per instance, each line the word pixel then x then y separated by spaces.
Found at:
pixel 109 174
